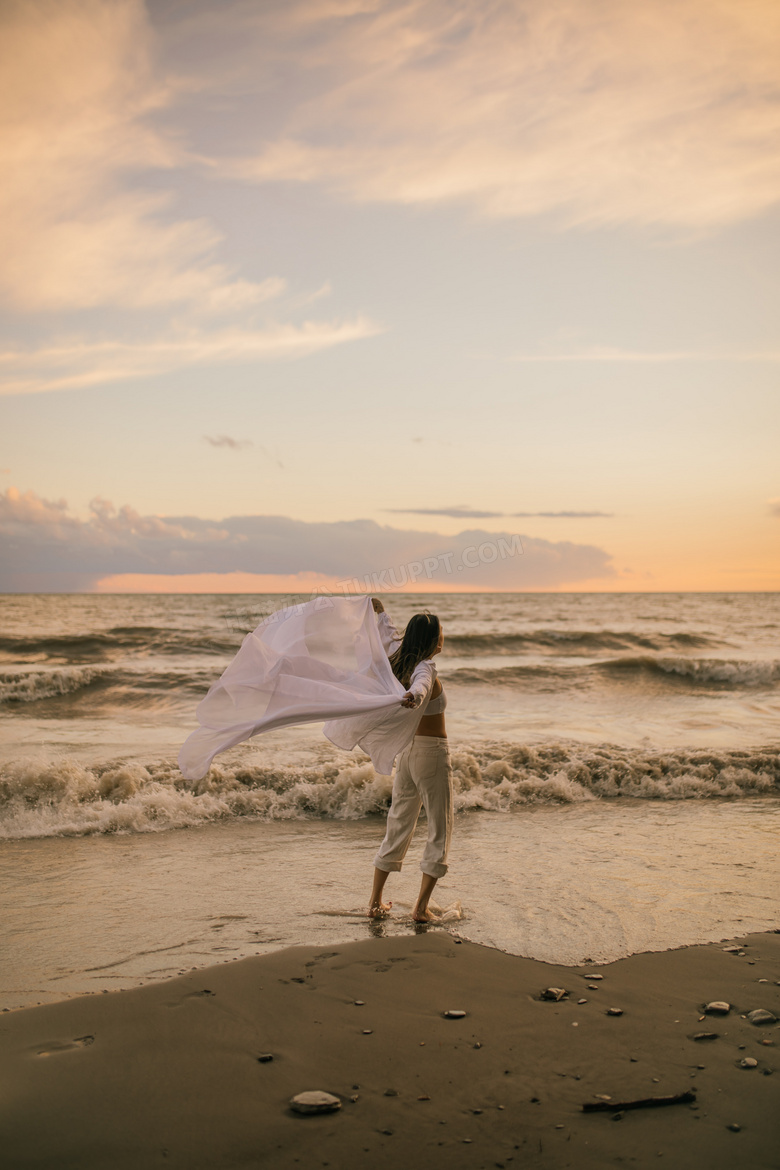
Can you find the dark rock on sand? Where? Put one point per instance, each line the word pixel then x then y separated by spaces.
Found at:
pixel 718 1007
pixel 315 1101
pixel 761 1016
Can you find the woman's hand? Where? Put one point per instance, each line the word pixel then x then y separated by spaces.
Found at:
pixel 408 700
pixel 377 604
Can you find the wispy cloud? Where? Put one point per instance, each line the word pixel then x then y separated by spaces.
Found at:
pixel 74 365
pixel 464 513
pixel 227 441
pixel 597 111
pixel 53 549
pixel 79 87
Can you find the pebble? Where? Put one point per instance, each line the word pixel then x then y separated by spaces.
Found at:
pixel 368 1031
pixel 763 981
pixel 705 1036
pixel 595 976
pixel 264 1057
pixel 391 1093
pixel 614 1011
pixel 748 1062
pixel 718 1007
pixel 761 1016
pixel 734 1127
pixel 555 993
pixel 360 1003
pixel 315 1101
pixel 731 950
pixel 454 1014
pixel 582 1001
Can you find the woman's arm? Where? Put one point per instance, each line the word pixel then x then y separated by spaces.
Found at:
pixel 420 684
pixel 391 639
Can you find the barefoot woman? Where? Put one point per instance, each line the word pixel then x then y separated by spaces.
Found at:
pixel 423 776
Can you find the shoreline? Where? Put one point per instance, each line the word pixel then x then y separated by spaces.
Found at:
pixel 168 1074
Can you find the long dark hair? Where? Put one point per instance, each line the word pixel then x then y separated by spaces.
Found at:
pixel 421 638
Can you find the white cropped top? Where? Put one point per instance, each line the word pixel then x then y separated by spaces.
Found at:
pixel 437 705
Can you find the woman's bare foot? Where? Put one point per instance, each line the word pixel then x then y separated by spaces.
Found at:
pixel 379 909
pixel 425 915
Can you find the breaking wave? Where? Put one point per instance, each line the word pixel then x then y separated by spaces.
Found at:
pixel 119 641
pixel 589 642
pixel 62 797
pixel 111 686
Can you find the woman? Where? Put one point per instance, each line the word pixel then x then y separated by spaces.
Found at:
pixel 423 775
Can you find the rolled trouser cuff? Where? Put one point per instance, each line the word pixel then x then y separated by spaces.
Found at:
pixel 387 866
pixel 434 869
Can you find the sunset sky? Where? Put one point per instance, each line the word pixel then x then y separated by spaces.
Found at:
pixel 294 292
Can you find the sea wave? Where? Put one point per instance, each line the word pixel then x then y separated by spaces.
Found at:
pixel 674 673
pixel 590 642
pixel 709 672
pixel 116 642
pixel 102 683
pixel 62 797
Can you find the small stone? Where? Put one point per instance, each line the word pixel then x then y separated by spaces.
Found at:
pixel 582 1001
pixel 763 981
pixel 731 950
pixel 656 1080
pixel 478 1045
pixel 718 1007
pixel 767 1071
pixel 391 1092
pixel 767 1041
pixel 595 977
pixel 466 1141
pixel 617 1116
pixel 705 1036
pixel 454 1014
pixel 554 993
pixel 614 1011
pixel 559 1127
pixel 602 1096
pixel 368 1031
pixel 360 1003
pixel 761 1016
pixel 264 1057
pixel 315 1101
pixel 748 1062
pixel 593 987
pixel 424 1097
pixel 734 1127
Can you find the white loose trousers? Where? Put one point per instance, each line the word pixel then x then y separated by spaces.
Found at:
pixel 423 777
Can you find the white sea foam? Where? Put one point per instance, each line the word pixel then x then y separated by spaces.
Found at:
pixel 63 797
pixel 32 686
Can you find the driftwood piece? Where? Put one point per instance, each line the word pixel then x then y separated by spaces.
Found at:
pixel 643 1103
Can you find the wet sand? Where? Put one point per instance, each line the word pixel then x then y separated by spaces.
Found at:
pixel 168 1074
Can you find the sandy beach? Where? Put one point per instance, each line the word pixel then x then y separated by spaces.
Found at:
pixel 169 1075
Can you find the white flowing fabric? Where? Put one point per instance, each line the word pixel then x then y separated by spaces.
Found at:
pixel 321 660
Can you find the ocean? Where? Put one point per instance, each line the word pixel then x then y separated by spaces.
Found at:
pixel 615 761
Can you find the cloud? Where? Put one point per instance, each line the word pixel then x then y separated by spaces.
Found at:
pixel 774 507
pixel 463 513
pixel 226 441
pixel 76 364
pixel 47 548
pixel 597 111
pixel 79 89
